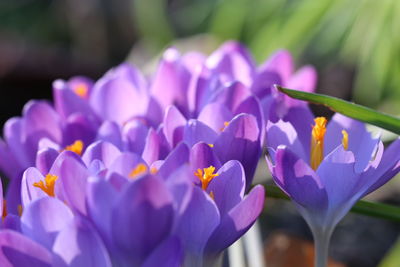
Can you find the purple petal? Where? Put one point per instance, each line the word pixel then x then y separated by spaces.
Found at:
pixel 169 254
pixel 109 131
pixel 45 159
pixel 67 102
pixel 142 217
pixel 298 180
pixel 237 221
pixel 174 123
pixel 13 134
pixel 151 151
pixel 134 134
pixel 178 157
pixel 170 81
pixel 43 219
pixel 283 133
pixel 73 178
pixel 241 141
pixel 18 250
pixel 203 156
pixel 125 163
pixel 196 131
pixel 8 163
pixel 79 127
pixel 280 62
pixel 196 224
pixel 263 82
pixel 305 79
pixel 103 151
pixel 29 192
pixel 214 115
pixel 228 187
pixel 78 244
pixel 232 95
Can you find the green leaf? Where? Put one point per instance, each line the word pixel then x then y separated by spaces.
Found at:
pixel 349 109
pixel 372 209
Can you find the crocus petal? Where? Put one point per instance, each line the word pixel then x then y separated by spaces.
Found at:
pixel 231 95
pixel 12 222
pixel 73 178
pixel 29 192
pixel 18 250
pixel 117 99
pixel 305 79
pixel 233 60
pixel 103 151
pixel 8 162
pixel 174 123
pixel 169 254
pixel 196 131
pixel 134 134
pixel 241 141
pixel 263 82
pixel 79 127
pixel 142 217
pixel 283 133
pixel 236 222
pixel 178 157
pixel 45 159
pixel 360 140
pixel 125 163
pixel 13 132
pixel 40 117
pixel 202 155
pixel 196 225
pixel 170 81
pixel 78 244
pixel 151 150
pixel 214 115
pixel 66 102
pixel 110 132
pixel 298 180
pixel 228 187
pixel 43 219
pixel 280 62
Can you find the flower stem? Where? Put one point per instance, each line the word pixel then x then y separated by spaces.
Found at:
pixel 321 243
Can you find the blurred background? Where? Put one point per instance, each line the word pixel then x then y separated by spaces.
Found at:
pixel 354 45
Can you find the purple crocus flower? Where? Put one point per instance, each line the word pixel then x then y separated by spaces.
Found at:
pixel 328 174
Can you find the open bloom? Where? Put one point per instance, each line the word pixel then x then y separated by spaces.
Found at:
pixel 327 175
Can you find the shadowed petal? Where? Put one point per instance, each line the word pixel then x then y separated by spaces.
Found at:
pixel 174 122
pixel 195 131
pixel 18 250
pixel 103 151
pixel 168 254
pixel 45 159
pixel 109 131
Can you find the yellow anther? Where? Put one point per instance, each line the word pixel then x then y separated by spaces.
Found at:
pixel 76 147
pixel 81 90
pixel 205 176
pixel 317 142
pixel 4 215
pixel 226 123
pixel 20 210
pixel 345 140
pixel 48 185
pixel 211 145
pixel 153 170
pixel 141 168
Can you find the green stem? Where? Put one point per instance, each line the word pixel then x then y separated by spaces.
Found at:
pixel 372 209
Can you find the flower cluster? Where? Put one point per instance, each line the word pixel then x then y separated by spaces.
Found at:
pixel 144 171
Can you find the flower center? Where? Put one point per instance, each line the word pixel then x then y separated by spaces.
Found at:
pixel 141 168
pixel 81 90
pixel 317 142
pixel 48 185
pixel 205 176
pixel 76 147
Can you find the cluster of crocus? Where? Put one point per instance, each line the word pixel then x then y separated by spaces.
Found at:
pixel 143 171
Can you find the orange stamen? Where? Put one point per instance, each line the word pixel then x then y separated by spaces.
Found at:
pixel 76 147
pixel 48 185
pixel 141 168
pixel 206 175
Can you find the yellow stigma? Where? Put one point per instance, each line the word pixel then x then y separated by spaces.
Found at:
pixel 205 176
pixel 48 185
pixel 153 170
pixel 226 123
pixel 345 139
pixel 141 168
pixel 76 147
pixel 317 142
pixel 211 145
pixel 81 90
